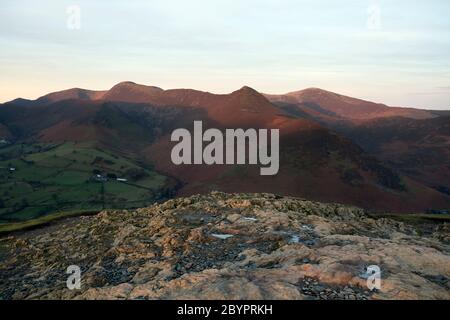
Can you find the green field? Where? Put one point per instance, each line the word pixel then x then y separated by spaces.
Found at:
pixel 38 180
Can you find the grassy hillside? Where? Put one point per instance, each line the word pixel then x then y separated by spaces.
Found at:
pixel 41 179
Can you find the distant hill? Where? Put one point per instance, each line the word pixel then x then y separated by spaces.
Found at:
pixel 413 141
pixel 321 158
pixel 329 106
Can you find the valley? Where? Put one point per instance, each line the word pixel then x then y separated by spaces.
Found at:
pixel 39 179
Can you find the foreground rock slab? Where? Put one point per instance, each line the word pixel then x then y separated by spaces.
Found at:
pixel 226 246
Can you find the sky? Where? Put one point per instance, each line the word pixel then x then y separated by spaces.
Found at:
pixel 394 52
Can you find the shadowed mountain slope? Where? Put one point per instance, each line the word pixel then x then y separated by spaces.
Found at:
pixel 315 162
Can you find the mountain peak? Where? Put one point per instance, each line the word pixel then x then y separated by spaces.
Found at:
pixel 246 90
pixel 132 92
pixel 329 105
pixel 73 93
pixel 131 85
pixel 312 91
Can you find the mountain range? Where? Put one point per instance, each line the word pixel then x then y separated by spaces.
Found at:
pixel 333 148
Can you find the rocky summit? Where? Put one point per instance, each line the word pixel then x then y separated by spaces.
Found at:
pixel 227 246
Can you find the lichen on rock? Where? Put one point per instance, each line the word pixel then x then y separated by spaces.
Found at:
pixel 169 251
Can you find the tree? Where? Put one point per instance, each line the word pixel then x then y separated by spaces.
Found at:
pixel 111 176
pixel 24 203
pixel 136 174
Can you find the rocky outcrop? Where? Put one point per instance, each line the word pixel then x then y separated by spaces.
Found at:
pixel 224 246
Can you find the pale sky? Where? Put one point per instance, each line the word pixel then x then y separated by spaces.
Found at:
pixel 274 46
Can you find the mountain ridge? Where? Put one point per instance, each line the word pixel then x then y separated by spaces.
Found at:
pixel 319 160
pixel 120 91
